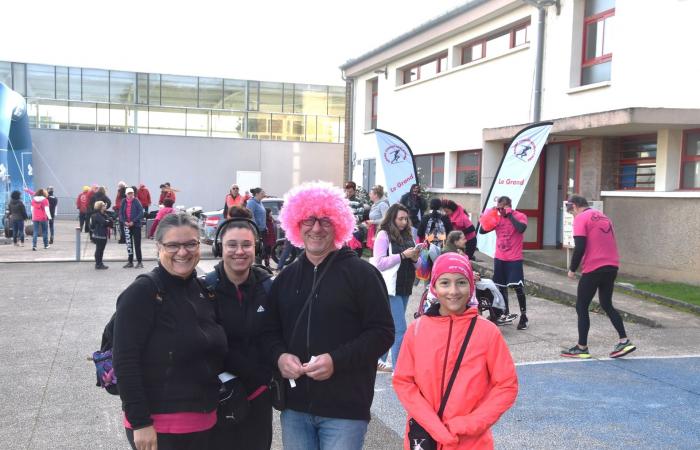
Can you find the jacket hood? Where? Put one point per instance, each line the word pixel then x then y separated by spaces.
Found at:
pixel 39 198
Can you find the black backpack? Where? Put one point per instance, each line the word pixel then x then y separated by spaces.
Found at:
pixel 104 371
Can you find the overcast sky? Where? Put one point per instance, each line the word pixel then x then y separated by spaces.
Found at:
pixel 301 41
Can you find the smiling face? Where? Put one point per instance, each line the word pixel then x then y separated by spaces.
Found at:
pixel 238 248
pixel 182 262
pixel 318 239
pixel 452 291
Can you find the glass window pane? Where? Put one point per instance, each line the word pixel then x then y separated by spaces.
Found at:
pixel 521 36
pixel 117 118
pixel 62 83
pixel 197 122
pixel 468 159
pixel 41 81
pixel 498 45
pixel 270 97
pixel 122 87
pixel 102 117
pixel 598 6
pixel 154 89
pixel 424 167
pixel 410 74
pixel 443 64
pixel 227 124
pixel 52 114
pixel 596 73
pixel 310 135
pixel 428 69
pixel 328 129
pixel 473 52
pixel 177 90
pixel 170 121
pixel 288 94
pixel 211 91
pixel 691 175
pixel 141 119
pixel 336 101
pixel 234 94
pixel 692 143
pixel 142 88
pixel 468 178
pixel 6 73
pixel 75 84
pixel 287 127
pixel 258 126
pixel 253 95
pixel 310 99
pixel 82 116
pixel 18 78
pixel 608 35
pixel 95 85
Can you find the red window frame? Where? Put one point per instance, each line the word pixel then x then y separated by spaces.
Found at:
pixel 416 66
pixel 434 170
pixel 476 168
pixel 634 161
pixel 375 98
pixel 599 17
pixel 687 158
pixel 484 39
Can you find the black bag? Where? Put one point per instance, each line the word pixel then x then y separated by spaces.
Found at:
pixel 278 384
pixel 418 438
pixel 234 406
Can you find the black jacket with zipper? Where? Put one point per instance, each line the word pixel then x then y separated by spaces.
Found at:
pixel 242 312
pixel 348 317
pixel 167 354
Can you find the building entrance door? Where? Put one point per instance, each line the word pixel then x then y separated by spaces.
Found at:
pixel 532 204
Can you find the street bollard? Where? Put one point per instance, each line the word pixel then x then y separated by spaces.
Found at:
pixel 77 243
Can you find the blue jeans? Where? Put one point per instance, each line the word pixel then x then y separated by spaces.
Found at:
pixel 398 304
pixel 303 431
pixel 44 232
pixel 18 231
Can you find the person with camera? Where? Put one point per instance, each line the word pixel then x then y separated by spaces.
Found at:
pixel 455 375
pixel 508 260
pixel 240 289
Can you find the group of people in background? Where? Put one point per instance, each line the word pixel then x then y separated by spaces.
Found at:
pixel 43 213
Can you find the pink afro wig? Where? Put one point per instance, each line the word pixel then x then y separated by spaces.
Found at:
pixel 319 199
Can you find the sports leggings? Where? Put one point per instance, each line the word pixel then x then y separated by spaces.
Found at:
pixel 519 292
pixel 603 282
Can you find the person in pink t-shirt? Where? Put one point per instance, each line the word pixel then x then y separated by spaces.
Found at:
pixel 508 260
pixel 596 251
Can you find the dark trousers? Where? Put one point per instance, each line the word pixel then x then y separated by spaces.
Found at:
pixel 100 245
pixel 132 236
pixel 188 441
pixel 519 292
pixel 254 433
pixel 603 282
pixel 84 221
pixel 17 231
pixel 51 228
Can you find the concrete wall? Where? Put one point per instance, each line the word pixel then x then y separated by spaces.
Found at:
pixel 202 169
pixel 668 249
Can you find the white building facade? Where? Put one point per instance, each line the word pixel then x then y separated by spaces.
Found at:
pixel 618 83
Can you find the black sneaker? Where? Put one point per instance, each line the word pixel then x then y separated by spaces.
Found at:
pixel 139 265
pixel 522 325
pixel 576 352
pixel 51 240
pixel 101 267
pixel 128 265
pixel 622 349
pixel 505 319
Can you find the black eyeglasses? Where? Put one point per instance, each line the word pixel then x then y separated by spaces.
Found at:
pixel 174 247
pixel 325 222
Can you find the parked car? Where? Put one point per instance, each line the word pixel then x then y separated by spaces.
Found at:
pixel 209 221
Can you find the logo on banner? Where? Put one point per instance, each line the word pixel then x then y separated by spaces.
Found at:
pixel 525 150
pixel 19 110
pixel 395 154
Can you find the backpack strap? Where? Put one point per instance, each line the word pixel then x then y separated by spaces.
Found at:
pixel 210 281
pixel 157 282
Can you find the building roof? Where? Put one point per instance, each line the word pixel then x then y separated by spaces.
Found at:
pixel 416 31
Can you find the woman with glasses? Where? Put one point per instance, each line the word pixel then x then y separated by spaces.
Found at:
pixel 241 297
pixel 168 347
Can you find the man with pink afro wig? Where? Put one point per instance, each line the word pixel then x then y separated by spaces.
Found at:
pixel 316 199
pixel 329 322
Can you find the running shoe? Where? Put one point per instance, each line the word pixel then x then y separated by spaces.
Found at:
pixel 576 352
pixel 622 349
pixel 139 265
pixel 522 325
pixel 505 319
pixel 383 366
pixel 128 265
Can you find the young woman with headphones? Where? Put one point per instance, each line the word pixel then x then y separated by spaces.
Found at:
pixel 241 290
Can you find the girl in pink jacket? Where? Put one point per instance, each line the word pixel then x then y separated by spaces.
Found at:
pixel 486 384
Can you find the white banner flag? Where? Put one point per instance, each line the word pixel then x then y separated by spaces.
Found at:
pixel 397 162
pixel 514 173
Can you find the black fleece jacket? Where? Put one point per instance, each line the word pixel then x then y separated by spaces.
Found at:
pixel 348 317
pixel 243 313
pixel 167 354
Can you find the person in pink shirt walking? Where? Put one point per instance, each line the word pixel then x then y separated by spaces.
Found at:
pixel 596 250
pixel 508 261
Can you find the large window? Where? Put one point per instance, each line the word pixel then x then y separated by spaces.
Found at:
pixel 431 170
pixel 637 166
pixel 690 162
pixel 496 43
pixel 41 81
pixel 597 41
pixel 469 169
pixel 426 68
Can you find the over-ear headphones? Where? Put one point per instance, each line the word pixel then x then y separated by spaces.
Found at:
pixel 217 247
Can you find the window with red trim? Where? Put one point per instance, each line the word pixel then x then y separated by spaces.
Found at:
pixel 425 68
pixel 431 170
pixel 469 168
pixel 375 90
pixel 637 164
pixel 690 160
pixel 497 42
pixel 597 41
